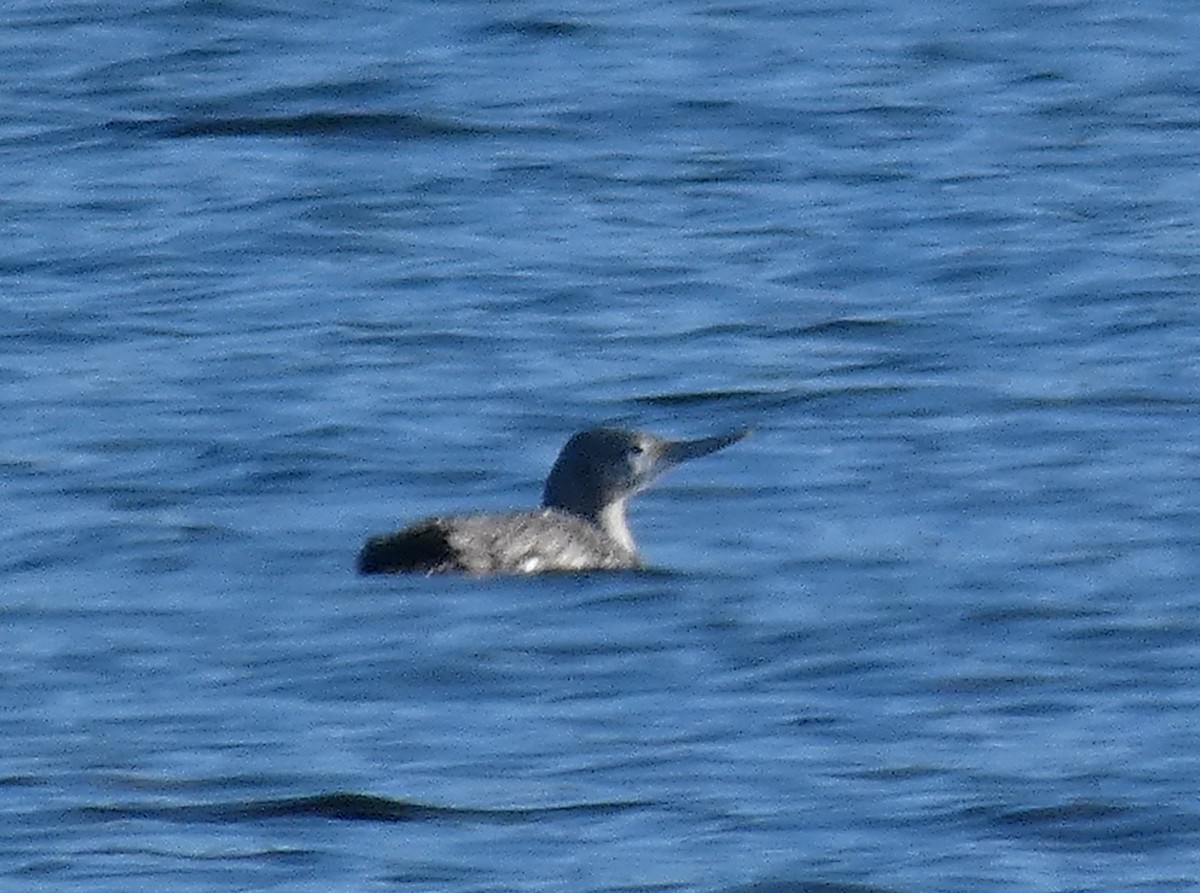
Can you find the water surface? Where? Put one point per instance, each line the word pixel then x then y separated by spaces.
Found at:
pixel 277 276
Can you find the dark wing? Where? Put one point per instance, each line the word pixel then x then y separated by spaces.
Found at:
pixel 423 547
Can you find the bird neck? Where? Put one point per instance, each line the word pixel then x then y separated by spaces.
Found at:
pixel 611 519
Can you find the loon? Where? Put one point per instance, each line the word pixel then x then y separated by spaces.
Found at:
pixel 580 527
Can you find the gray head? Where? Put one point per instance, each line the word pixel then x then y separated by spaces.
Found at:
pixel 599 469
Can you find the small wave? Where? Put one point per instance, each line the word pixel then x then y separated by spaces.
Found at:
pixel 806 887
pixel 716 397
pixel 1086 823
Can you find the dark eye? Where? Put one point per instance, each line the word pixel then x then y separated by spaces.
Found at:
pixel 635 450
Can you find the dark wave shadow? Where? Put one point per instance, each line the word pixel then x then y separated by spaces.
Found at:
pixel 357 125
pixel 348 807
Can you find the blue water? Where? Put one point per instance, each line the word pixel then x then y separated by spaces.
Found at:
pixel 276 276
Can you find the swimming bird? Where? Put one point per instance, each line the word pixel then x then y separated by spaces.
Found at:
pixel 581 525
